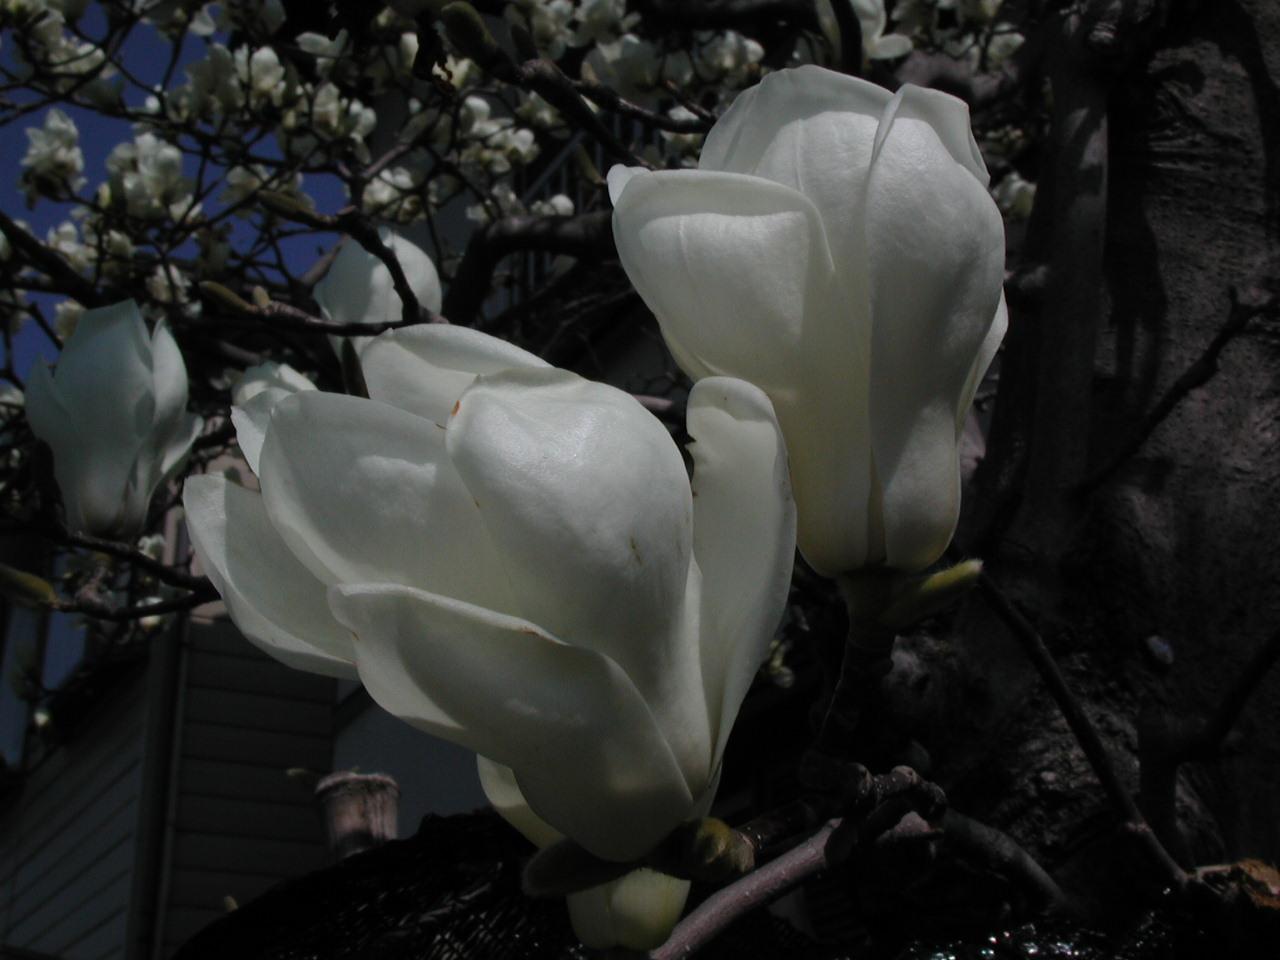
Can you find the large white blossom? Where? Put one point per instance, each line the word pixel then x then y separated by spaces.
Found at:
pixel 115 415
pixel 837 246
pixel 407 538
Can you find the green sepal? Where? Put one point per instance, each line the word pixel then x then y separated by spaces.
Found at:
pixel 26 589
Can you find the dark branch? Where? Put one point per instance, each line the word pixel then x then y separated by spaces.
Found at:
pixel 587 235
pixel 1095 751
pixel 51 263
pixel 757 888
pixel 1197 375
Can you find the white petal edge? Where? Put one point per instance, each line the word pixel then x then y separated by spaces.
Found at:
pixel 584 747
pixel 936 275
pixel 503 793
pixel 949 118
pixel 271 597
pixel 744 132
pixel 736 269
pixel 365 493
pixel 744 535
pixel 425 369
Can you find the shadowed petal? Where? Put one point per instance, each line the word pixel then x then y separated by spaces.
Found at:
pixel 272 598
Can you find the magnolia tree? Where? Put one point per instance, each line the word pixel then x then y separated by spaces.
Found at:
pixel 341 292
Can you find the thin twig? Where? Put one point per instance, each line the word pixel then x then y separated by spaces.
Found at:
pixel 1034 647
pixel 1006 856
pixel 1197 375
pixel 755 889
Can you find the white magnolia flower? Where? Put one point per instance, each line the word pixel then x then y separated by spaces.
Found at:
pixel 168 284
pixel 53 156
pixel 358 286
pixel 147 174
pixel 558 205
pixel 873 20
pixel 261 74
pixel 115 415
pixel 838 248
pixel 409 538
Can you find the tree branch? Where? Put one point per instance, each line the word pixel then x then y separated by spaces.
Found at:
pixel 757 888
pixel 586 235
pixel 51 263
pixel 1197 375
pixel 1094 750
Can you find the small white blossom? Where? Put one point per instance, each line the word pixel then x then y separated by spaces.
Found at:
pixel 556 206
pixel 53 158
pixel 168 284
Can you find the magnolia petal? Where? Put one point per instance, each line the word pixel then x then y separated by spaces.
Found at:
pixel 251 421
pixel 735 268
pixel 358 286
pixel 170 381
pixel 266 376
pixel 425 369
pixel 272 598
pixel 738 273
pixel 948 116
pixel 581 740
pixel 744 532
pixel 578 471
pixel 97 413
pixel 637 911
pixel 936 272
pixel 363 492
pixel 499 785
pixel 812 130
pixel 982 362
pixel 177 444
pixel 105 374
pixel 53 423
pixel 618 178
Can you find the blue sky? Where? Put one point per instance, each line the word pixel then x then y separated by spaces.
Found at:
pixel 145 56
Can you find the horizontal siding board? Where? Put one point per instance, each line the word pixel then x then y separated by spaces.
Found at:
pixel 106 941
pixel 206 889
pixel 223 638
pixel 106 813
pixel 215 741
pixel 94 755
pixel 112 853
pixel 248 818
pixel 259 711
pixel 274 857
pixel 220 778
pixel 222 671
pixel 94 896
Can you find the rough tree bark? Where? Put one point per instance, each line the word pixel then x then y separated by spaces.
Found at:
pixel 1155 586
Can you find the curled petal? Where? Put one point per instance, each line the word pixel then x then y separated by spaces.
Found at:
pixel 744 532
pixel 583 744
pixel 935 285
pixel 948 116
pixel 739 274
pixel 425 369
pixel 503 793
pixel 812 130
pixel 272 598
pixel 363 492
pixel 735 268
pixel 565 468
